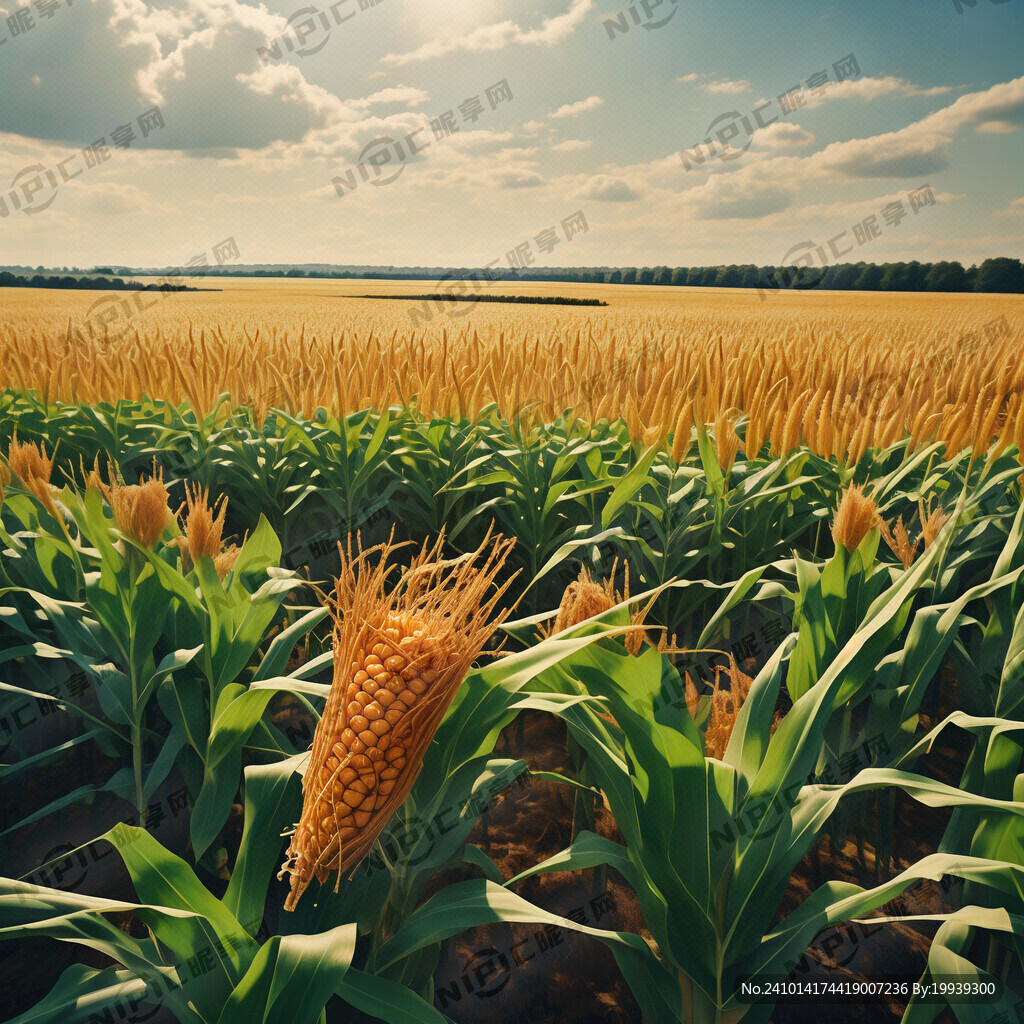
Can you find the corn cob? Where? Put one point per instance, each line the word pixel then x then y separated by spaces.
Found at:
pixel 400 655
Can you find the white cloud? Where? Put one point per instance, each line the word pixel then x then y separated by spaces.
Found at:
pixel 571 146
pixel 404 94
pixel 998 127
pixel 870 88
pixel 115 198
pixel 922 147
pixel 726 87
pixel 180 55
pixel 781 135
pixel 607 189
pixel 478 139
pixel 725 198
pixel 748 189
pixel 520 179
pixel 497 36
pixel 581 107
pixel 758 189
pixel 716 86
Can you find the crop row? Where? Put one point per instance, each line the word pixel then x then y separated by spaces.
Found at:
pixel 724 757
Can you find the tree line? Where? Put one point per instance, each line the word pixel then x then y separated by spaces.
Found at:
pixel 1001 274
pixel 9 280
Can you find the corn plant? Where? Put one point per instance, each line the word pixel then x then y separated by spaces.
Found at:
pixel 842 385
pixel 711 843
pixel 231 978
pixel 540 489
pixel 124 608
pixel 993 683
pixel 368 944
pixel 435 452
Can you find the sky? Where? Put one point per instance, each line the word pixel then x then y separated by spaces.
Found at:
pixel 503 132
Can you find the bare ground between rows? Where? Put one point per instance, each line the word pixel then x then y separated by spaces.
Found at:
pixel 511 973
pixel 577 979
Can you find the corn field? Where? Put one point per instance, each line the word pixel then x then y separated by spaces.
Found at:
pixel 864 375
pixel 352 671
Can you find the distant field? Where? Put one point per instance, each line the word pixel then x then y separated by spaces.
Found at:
pixel 442 299
pixel 841 370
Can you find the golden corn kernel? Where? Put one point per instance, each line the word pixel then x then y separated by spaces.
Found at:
pixel 391 660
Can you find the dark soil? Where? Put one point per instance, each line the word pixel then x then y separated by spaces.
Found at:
pixel 489 975
pixel 512 973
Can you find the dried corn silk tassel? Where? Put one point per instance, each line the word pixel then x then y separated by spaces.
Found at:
pixel 401 651
pixel 725 708
pixel 585 598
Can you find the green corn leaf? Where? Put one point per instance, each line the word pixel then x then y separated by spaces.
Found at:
pixel 291 978
pixel 477 902
pixel 387 1000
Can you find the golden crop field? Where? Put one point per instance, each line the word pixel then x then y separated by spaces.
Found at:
pixel 840 371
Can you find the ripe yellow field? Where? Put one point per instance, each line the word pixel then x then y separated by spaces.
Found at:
pixel 842 371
